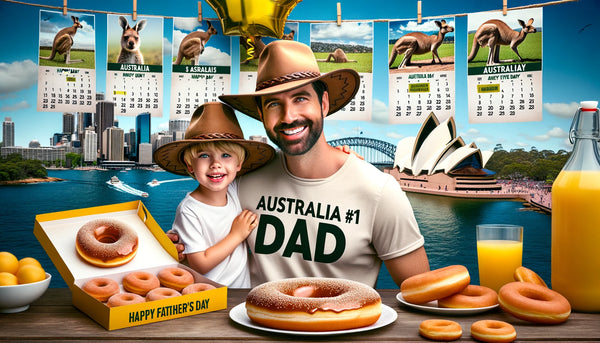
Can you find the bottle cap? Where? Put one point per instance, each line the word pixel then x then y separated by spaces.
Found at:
pixel 588 105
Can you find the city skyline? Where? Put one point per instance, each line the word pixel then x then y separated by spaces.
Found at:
pixel 568 75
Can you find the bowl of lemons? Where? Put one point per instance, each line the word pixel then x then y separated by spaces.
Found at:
pixel 21 282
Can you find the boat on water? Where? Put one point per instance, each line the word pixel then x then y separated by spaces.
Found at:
pixel 144 194
pixel 114 180
pixel 154 182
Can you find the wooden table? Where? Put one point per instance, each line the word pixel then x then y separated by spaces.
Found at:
pixel 53 318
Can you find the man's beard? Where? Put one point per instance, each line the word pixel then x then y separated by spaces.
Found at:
pixel 297 147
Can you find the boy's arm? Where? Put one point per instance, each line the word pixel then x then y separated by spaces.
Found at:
pixel 205 261
pixel 405 266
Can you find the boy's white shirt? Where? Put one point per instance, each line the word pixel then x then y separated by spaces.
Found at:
pixel 201 226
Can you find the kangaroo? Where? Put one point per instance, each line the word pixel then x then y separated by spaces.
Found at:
pixel 259 46
pixel 289 36
pixel 338 56
pixel 192 45
pixel 494 33
pixel 130 42
pixel 418 43
pixel 63 41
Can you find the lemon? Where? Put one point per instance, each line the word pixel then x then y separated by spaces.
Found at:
pixel 30 273
pixel 8 262
pixel 29 260
pixel 7 279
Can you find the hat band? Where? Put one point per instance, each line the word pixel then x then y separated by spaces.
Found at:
pixel 216 135
pixel 301 75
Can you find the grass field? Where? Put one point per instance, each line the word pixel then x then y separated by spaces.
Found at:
pixel 443 51
pixel 530 49
pixel 59 60
pixel 364 62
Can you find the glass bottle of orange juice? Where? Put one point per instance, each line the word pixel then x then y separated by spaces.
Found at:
pixel 576 215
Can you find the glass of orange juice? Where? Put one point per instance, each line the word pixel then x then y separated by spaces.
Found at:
pixel 499 253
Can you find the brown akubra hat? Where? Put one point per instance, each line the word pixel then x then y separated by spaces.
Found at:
pixel 284 65
pixel 211 122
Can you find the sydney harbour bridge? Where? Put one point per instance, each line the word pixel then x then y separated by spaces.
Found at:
pixel 376 152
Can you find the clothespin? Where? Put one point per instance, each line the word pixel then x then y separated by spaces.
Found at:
pixel 134 15
pixel 504 6
pixel 200 11
pixel 339 13
pixel 419 12
pixel 64 7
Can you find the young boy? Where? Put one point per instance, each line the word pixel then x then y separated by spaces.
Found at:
pixel 209 220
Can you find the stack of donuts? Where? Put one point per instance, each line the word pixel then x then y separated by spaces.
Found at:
pixel 527 298
pixel 141 286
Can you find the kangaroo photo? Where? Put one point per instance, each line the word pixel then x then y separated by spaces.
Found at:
pixel 497 40
pixel 66 40
pixel 199 43
pixel 427 46
pixel 134 41
pixel 193 44
pixel 349 45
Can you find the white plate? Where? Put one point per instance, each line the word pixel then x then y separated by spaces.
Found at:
pixel 433 308
pixel 238 314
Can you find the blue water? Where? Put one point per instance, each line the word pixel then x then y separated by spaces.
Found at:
pixel 448 224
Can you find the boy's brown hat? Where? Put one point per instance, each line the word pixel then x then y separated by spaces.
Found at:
pixel 284 65
pixel 212 122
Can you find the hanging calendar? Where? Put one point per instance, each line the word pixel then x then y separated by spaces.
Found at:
pixel 505 82
pixel 349 45
pixel 134 78
pixel 67 62
pixel 201 65
pixel 421 70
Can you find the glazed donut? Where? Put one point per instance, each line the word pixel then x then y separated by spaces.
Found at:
pixel 472 296
pixel 527 275
pixel 435 284
pixel 313 304
pixel 106 243
pixel 140 282
pixel 176 278
pixel 493 331
pixel 161 293
pixel 197 287
pixel 121 299
pixel 534 303
pixel 101 288
pixel 440 329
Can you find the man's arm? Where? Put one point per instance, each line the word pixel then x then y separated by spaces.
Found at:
pixel 405 266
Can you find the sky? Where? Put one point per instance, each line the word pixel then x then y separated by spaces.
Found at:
pixel 570 70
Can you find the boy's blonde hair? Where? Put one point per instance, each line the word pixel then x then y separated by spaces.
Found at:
pixel 231 148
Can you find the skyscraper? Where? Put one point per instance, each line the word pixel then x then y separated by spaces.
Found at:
pixel 68 123
pixel 8 132
pixel 142 129
pixel 113 144
pixel 105 117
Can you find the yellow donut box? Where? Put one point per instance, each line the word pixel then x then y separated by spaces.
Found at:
pixel 57 231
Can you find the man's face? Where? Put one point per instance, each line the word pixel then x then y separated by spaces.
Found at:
pixel 293 120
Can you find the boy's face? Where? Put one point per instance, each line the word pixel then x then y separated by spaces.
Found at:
pixel 214 169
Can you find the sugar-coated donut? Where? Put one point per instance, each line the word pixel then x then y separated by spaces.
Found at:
pixel 106 243
pixel 197 287
pixel 101 288
pixel 121 299
pixel 534 303
pixel 175 277
pixel 161 293
pixel 440 329
pixel 472 296
pixel 435 284
pixel 527 275
pixel 493 331
pixel 313 304
pixel 140 282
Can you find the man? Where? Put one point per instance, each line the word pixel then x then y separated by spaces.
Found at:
pixel 322 212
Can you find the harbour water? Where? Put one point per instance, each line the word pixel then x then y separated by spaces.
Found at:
pixel 448 224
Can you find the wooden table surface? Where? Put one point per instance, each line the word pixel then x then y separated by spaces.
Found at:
pixel 54 318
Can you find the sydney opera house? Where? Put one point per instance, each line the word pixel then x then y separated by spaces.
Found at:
pixel 439 161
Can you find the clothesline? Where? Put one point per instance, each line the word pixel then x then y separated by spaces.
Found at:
pixel 550 3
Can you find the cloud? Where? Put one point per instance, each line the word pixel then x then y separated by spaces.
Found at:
pixel 187 24
pixel 394 135
pixel 214 57
pixel 557 132
pixel 15 107
pixel 17 76
pixel 362 32
pixel 163 126
pixel 380 112
pixel 561 110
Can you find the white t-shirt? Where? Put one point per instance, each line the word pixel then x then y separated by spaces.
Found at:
pixel 342 226
pixel 201 226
